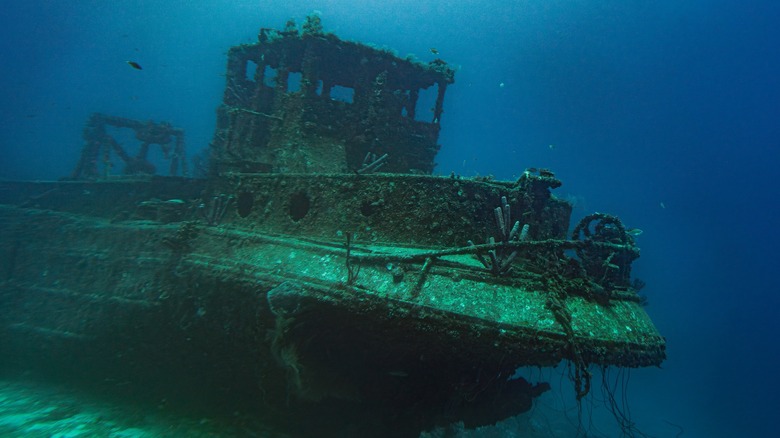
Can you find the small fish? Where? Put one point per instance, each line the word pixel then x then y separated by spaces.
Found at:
pixel 434 51
pixel 634 232
pixel 135 65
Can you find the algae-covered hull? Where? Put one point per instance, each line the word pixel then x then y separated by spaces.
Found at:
pixel 129 283
pixel 317 270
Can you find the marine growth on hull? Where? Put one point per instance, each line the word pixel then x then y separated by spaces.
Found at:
pixel 317 271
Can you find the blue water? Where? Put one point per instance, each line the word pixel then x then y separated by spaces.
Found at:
pixel 665 113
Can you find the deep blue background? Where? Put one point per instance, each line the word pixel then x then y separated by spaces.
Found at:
pixel 665 113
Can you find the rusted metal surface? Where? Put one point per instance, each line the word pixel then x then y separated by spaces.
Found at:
pixel 308 101
pixel 320 270
pixel 100 147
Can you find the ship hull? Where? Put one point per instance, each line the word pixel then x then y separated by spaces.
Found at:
pixel 297 323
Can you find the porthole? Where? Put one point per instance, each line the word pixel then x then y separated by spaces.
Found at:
pixel 244 203
pixel 299 206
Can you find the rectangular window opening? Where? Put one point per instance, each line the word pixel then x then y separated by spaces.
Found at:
pixel 343 94
pixel 426 104
pixel 251 70
pixel 294 82
pixel 269 76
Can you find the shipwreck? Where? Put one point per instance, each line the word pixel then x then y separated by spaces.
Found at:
pixel 319 270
